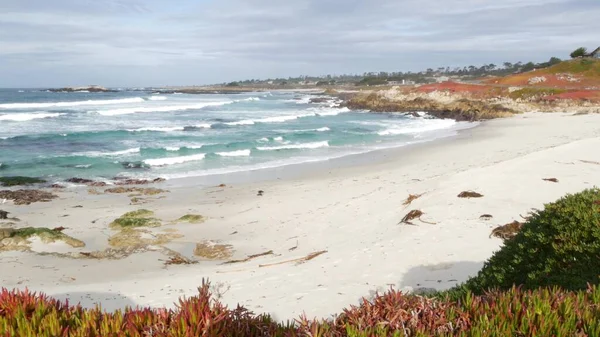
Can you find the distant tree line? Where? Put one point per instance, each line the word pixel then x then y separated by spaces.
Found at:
pixel 427 76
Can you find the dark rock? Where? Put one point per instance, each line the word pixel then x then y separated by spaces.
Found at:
pixel 57 186
pixel 134 165
pixel 3 215
pixel 319 100
pixel 121 181
pixel 92 88
pixel 86 182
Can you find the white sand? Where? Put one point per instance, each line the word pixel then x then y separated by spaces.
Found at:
pixel 352 213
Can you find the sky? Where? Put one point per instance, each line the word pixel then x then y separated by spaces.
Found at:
pixel 184 42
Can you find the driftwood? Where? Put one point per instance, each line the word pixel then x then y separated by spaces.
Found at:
pixel 411 198
pixel 554 180
pixel 250 257
pixel 299 260
pixel 486 217
pixel 414 214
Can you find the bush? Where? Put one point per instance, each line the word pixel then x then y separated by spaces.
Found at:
pixel 559 246
pixel 579 52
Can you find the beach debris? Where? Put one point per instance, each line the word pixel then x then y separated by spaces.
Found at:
pixel 19 181
pixel 179 259
pixel 222 185
pixel 294 248
pixel 414 214
pixel 191 218
pixel 78 206
pixel 298 260
pixel 93 191
pixel 590 162
pixel 3 215
pixel 57 186
pixel 411 198
pixel 554 180
pixel 486 217
pixel 139 218
pixel 470 194
pixel 213 251
pixel 508 231
pixel 87 182
pixel 260 193
pixel 27 197
pixel 59 229
pixel 250 257
pixel 233 233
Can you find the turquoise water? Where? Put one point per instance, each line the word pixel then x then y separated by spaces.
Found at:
pixel 139 134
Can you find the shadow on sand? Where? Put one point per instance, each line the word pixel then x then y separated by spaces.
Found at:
pixel 108 301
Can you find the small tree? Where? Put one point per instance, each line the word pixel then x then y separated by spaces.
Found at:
pixel 579 52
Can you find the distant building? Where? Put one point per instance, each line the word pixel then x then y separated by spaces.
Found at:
pixel 594 54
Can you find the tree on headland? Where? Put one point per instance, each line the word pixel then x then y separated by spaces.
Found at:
pixel 579 52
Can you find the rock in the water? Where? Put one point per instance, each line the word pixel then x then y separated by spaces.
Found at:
pixel 3 215
pixel 19 181
pixel 91 88
pixel 86 182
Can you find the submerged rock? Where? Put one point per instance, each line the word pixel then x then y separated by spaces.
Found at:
pixel 19 181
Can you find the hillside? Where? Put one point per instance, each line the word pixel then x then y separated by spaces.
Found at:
pixel 573 74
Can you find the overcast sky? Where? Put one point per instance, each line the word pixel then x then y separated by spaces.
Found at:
pixel 184 42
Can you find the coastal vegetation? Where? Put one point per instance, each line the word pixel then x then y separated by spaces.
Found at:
pixel 543 282
pixel 17 239
pixel 139 218
pixel 191 218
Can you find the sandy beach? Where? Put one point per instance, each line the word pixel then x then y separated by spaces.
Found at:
pixel 349 214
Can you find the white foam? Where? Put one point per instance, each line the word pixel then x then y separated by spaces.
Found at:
pixel 242 122
pixel 203 126
pixel 168 108
pixel 174 160
pixel 323 129
pixel 331 111
pixel 282 119
pixel 194 147
pixel 158 129
pixel 249 99
pixel 157 98
pixel 109 154
pixel 83 166
pixel 314 145
pixel 263 140
pixel 240 153
pixel 418 126
pixel 70 104
pixel 172 148
pixel 24 117
pixel 278 139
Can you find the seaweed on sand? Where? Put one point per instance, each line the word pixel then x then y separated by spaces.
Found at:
pixel 470 194
pixel 414 214
pixel 139 218
pixel 191 218
pixel 508 231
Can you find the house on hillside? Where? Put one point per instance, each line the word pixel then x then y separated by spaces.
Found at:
pixel 594 54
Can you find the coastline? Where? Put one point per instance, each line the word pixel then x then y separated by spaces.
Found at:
pixel 352 212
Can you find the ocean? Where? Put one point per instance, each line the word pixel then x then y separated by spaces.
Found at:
pixel 137 134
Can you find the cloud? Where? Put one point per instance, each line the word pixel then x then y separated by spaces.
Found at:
pixel 131 42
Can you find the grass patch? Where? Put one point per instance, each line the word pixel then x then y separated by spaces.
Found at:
pixel 139 218
pixel 213 251
pixel 191 218
pixel 18 181
pixel 47 235
pixel 535 93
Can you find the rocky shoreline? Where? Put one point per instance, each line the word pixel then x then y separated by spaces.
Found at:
pixel 92 88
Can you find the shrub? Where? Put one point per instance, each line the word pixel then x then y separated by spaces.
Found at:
pixel 559 246
pixel 544 312
pixel 579 52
